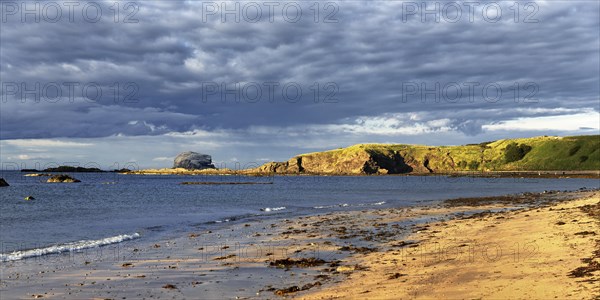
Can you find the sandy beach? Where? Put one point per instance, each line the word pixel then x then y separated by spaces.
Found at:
pixel 526 254
pixel 527 246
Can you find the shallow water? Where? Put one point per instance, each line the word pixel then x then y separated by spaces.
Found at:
pixel 105 206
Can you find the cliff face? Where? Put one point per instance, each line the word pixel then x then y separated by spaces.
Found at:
pixel 353 160
pixel 547 153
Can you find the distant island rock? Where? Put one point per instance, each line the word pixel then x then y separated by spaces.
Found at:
pixel 3 182
pixel 193 161
pixel 71 169
pixel 62 178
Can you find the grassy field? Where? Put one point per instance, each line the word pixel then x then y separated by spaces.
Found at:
pixel 526 154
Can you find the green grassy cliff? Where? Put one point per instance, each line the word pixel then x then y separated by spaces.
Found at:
pixel 575 153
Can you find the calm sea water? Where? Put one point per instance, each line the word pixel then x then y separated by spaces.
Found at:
pixel 106 207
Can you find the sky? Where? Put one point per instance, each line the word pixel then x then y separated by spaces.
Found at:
pixel 132 84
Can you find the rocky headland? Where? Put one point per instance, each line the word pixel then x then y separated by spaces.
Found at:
pixel 544 156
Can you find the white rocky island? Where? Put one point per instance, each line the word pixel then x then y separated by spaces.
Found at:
pixel 193 161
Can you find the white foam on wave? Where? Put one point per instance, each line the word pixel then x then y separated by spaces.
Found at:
pixel 273 208
pixel 370 204
pixel 68 247
pixel 332 206
pixel 347 205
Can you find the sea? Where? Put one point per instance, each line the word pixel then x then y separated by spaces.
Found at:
pixel 109 208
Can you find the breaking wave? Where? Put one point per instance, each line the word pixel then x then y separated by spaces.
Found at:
pixel 349 205
pixel 272 208
pixel 68 247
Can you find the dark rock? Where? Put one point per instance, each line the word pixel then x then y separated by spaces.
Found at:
pixel 358 249
pixel 62 178
pixel 193 161
pixel 288 290
pixel 3 182
pixel 396 276
pixel 586 233
pixel 300 263
pixel 225 257
pixel 586 271
pixel 169 287
pixel 308 286
pixel 404 243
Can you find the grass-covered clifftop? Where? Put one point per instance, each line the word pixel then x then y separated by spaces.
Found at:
pixel 575 153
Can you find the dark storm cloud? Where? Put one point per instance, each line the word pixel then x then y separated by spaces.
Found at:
pixel 371 55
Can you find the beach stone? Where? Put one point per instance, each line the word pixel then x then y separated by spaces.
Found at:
pixel 193 161
pixel 3 182
pixel 344 269
pixel 62 178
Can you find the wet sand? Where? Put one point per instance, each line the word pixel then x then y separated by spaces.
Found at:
pixel 526 246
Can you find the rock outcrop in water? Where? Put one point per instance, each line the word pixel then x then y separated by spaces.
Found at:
pixel 37 175
pixel 193 161
pixel 3 182
pixel 62 178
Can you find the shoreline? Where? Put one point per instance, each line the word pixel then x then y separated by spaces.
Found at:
pixel 266 258
pixel 484 174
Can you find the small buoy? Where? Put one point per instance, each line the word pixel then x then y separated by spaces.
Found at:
pixel 29 198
